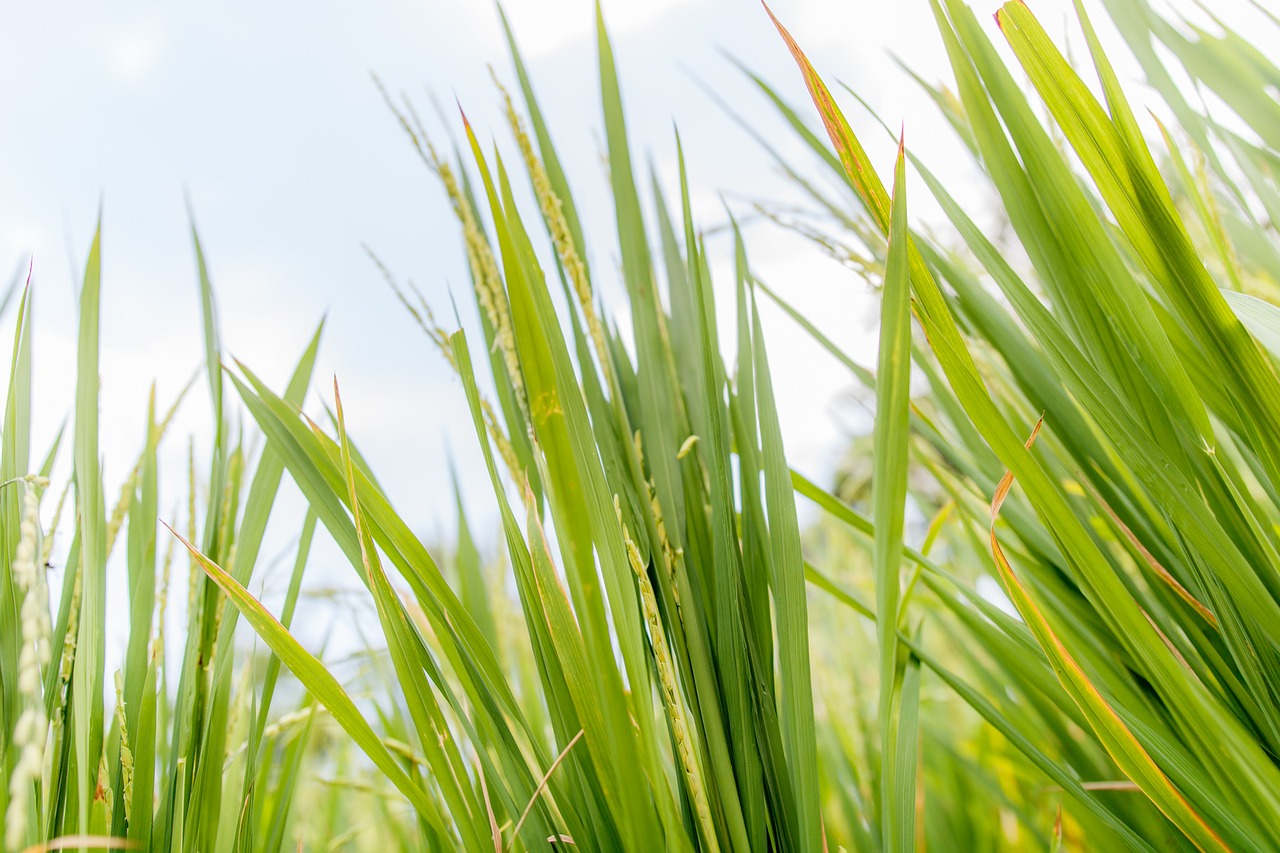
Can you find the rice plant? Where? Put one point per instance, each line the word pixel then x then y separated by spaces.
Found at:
pixel 182 758
pixel 1138 544
pixel 659 656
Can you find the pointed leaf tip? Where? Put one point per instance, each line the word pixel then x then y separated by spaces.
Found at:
pixel 462 112
pixel 772 16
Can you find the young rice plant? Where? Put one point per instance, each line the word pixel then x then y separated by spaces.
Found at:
pixel 1086 411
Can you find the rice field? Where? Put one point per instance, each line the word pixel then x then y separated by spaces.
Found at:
pixel 1035 607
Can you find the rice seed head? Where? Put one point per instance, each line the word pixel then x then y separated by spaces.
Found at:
pixel 126 754
pixel 684 745
pixel 68 656
pixel 505 450
pixel 32 728
pixel 121 509
pixel 484 272
pixel 669 553
pixel 553 213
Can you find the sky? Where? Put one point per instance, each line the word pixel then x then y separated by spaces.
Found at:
pixel 264 119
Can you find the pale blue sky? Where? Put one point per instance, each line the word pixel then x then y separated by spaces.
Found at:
pixel 266 116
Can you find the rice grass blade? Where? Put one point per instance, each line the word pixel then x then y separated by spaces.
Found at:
pixel 792 613
pixel 434 736
pixel 321 684
pixel 889 494
pixel 565 682
pixel 87 677
pixel 1120 742
pixel 255 761
pixel 15 450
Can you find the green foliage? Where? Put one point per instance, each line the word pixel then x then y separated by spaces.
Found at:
pixel 157 768
pixel 660 657
pixel 1142 557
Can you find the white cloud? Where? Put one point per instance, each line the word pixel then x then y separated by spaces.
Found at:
pixel 133 53
pixel 545 26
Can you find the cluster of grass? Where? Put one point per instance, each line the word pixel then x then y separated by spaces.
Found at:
pixel 159 765
pixel 655 661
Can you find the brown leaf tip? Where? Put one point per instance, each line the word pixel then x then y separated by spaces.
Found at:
pixel 462 113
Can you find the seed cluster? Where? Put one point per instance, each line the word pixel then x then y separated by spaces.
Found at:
pixel 685 749
pixel 32 727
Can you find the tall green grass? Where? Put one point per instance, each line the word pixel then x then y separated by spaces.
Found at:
pixel 183 758
pixel 1139 544
pixel 660 657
